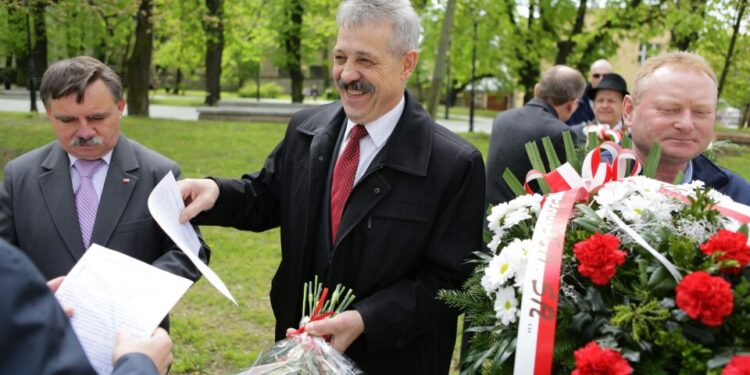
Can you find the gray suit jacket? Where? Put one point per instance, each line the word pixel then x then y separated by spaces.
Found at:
pixel 511 130
pixel 38 212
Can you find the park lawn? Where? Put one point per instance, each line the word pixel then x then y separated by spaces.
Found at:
pixel 211 335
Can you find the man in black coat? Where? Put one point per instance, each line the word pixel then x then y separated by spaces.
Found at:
pixel 413 215
pixel 555 98
pixel 37 338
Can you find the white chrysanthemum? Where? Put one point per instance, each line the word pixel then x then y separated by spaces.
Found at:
pixel 633 208
pixel 645 184
pixel 515 217
pixel 506 215
pixel 497 213
pixel 530 201
pixel 518 251
pixel 497 273
pixel 506 306
pixel 613 193
pixel 495 242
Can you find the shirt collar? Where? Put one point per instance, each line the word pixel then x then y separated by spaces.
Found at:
pixel 687 174
pixel 380 129
pixel 107 157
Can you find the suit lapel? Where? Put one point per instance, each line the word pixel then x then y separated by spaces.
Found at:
pixel 324 127
pixel 57 192
pixel 116 193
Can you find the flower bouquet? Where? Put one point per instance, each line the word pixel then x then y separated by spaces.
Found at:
pixel 610 273
pixel 303 354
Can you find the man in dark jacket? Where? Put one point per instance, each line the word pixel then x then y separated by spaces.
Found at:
pixel 555 98
pixel 371 193
pixel 37 338
pixel 674 104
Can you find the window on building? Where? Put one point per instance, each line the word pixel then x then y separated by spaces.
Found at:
pixel 646 50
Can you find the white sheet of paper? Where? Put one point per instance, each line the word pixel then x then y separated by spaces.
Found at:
pixel 110 291
pixel 165 204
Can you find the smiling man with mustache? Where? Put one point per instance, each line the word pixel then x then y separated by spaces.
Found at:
pixel 371 193
pixel 674 104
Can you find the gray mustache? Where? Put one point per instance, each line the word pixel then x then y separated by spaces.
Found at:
pixel 358 85
pixel 93 141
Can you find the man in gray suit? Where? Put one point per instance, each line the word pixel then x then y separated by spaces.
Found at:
pixel 89 186
pixel 555 99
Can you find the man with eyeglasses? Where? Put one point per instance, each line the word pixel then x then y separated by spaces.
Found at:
pixel 585 111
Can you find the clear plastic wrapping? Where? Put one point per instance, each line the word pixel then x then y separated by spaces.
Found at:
pixel 302 354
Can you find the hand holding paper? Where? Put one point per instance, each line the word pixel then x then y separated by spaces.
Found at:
pixel 111 291
pixel 165 204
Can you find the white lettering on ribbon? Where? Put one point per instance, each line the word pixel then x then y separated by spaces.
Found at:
pixel 536 328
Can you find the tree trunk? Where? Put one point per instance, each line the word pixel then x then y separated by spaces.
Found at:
pixel 6 74
pixel 565 47
pixel 139 64
pixel 213 25
pixel 293 44
pixel 38 11
pixel 438 73
pixel 529 77
pixel 177 82
pixel 728 60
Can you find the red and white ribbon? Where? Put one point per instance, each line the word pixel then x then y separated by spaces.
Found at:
pixel 595 170
pixel 535 342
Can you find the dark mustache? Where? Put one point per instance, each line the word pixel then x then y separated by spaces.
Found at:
pixel 358 85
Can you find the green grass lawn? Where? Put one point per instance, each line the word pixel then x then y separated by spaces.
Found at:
pixel 211 335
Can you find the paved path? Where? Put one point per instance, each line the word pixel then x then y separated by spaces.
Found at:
pixel 457 123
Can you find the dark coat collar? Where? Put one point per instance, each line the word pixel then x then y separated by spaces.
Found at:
pixel 409 147
pixel 708 172
pixel 546 107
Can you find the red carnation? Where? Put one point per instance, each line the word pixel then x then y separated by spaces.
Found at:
pixel 739 365
pixel 593 360
pixel 598 257
pixel 706 298
pixel 730 245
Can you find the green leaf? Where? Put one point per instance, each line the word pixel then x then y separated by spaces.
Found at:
pixel 535 158
pixel 678 178
pixel 627 142
pixel 536 162
pixel 552 159
pixel 570 149
pixel 652 162
pixel 513 183
pixel 743 229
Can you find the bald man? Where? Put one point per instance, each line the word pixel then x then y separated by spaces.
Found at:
pixel 585 111
pixel 555 99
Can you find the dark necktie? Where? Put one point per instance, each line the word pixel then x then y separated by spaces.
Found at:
pixel 87 201
pixel 343 177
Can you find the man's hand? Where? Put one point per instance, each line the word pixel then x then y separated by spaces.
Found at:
pixel 158 347
pixel 344 328
pixel 54 285
pixel 199 195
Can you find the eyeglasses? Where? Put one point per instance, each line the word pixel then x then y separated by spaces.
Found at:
pixel 597 75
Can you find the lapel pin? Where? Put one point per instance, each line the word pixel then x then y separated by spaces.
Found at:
pixel 125 181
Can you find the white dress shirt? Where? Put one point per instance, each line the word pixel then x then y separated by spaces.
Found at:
pixel 378 133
